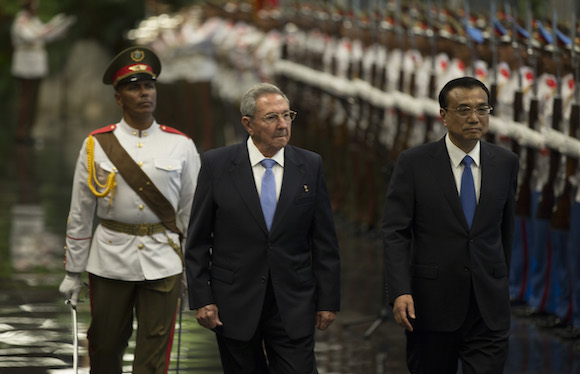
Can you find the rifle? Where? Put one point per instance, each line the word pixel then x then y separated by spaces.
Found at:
pixel 371 115
pixel 546 204
pixel 472 34
pixel 303 91
pixel 466 25
pixel 493 42
pixel 336 127
pixel 524 194
pixel 354 121
pixel 430 119
pixel 415 54
pixel 381 80
pixel 561 216
pixel 401 115
pixel 518 95
pixel 320 109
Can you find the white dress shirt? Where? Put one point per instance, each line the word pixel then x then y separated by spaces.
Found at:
pixel 278 169
pixel 456 156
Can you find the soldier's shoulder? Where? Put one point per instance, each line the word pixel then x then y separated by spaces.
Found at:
pixel 171 130
pixel 103 130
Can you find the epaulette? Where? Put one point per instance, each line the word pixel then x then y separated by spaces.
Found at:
pixel 105 129
pixel 563 40
pixel 543 35
pixel 172 130
pixel 498 29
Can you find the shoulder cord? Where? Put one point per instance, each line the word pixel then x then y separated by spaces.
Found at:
pixel 109 185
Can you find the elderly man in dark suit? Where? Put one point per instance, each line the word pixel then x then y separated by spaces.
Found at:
pixel 447 234
pixel 262 256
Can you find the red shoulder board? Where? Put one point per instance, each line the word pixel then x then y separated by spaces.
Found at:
pixel 104 129
pixel 172 130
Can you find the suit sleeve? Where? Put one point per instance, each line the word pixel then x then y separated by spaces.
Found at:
pixel 199 240
pixel 507 229
pixel 396 229
pixel 325 254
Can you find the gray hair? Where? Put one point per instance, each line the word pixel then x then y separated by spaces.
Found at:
pixel 248 101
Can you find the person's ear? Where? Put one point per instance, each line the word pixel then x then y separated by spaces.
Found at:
pixel 118 99
pixel 247 123
pixel 443 113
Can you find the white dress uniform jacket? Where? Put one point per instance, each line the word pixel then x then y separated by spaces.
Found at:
pixel 29 36
pixel 172 162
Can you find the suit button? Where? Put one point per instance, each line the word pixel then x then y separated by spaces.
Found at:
pixel 263 280
pixel 465 268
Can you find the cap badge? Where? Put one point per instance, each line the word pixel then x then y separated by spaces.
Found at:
pixel 137 55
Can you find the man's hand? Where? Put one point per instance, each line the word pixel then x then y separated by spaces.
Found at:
pixel 70 288
pixel 324 319
pixel 208 317
pixel 403 309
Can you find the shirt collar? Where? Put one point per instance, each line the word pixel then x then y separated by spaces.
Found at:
pixel 256 156
pixel 124 126
pixel 456 154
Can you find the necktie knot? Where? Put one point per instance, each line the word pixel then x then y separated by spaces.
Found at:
pixel 268 163
pixel 467 160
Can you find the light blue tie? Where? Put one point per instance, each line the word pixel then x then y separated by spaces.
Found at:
pixel 467 194
pixel 268 193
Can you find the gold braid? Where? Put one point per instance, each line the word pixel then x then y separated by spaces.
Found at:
pixel 109 185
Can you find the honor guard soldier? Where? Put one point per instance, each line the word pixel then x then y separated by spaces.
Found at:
pixel 139 177
pixel 30 60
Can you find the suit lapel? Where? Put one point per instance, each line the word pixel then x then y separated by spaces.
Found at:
pixel 293 176
pixel 444 175
pixel 488 175
pixel 243 180
pixel 441 169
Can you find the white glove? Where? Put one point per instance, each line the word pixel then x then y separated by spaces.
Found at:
pixel 70 288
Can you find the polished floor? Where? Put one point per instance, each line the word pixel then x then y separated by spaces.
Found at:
pixel 36 332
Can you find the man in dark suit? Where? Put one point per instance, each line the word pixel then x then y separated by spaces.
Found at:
pixel 447 235
pixel 261 280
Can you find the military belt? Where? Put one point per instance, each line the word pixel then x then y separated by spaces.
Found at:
pixel 141 229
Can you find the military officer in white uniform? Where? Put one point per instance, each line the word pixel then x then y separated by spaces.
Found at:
pixel 139 177
pixel 29 36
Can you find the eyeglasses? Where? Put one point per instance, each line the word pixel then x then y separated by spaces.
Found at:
pixel 272 118
pixel 466 111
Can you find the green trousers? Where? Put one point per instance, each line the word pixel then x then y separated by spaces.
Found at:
pixel 114 304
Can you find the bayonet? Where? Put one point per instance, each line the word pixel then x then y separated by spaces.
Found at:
pixel 547 199
pixel 523 204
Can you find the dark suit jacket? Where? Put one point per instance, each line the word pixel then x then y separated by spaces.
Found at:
pixel 431 253
pixel 300 254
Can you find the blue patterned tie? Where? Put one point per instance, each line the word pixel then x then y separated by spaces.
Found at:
pixel 268 193
pixel 467 194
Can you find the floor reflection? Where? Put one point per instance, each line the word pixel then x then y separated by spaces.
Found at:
pixel 36 333
pixel 36 336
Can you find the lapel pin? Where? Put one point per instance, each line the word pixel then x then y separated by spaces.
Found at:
pixel 305 188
